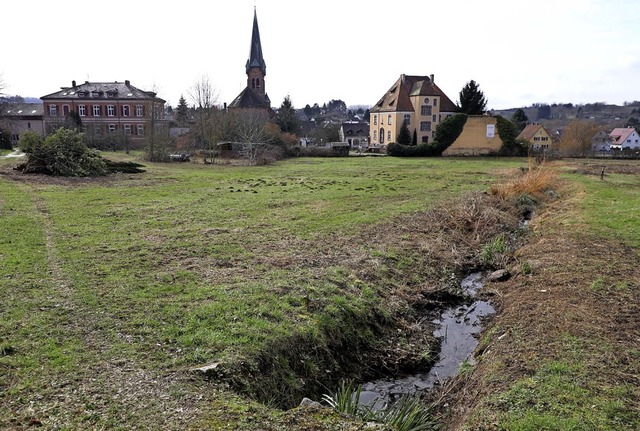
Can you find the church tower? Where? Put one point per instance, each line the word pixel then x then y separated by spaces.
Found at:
pixel 256 67
pixel 254 96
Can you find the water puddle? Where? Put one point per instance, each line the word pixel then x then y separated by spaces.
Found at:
pixel 457 329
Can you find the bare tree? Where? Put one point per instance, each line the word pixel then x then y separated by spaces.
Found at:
pixel 205 97
pixel 252 134
pixel 157 132
pixel 577 138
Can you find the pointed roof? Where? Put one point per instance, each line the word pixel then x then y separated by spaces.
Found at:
pixel 530 131
pixel 255 54
pixel 398 98
pixel 620 134
pixel 249 99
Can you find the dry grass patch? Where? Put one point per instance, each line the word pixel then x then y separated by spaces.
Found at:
pixel 534 181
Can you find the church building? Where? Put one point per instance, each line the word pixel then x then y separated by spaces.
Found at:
pixel 254 97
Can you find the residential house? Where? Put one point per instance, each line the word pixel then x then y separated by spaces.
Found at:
pixel 624 138
pixel 109 111
pixel 416 100
pixel 254 97
pixel 478 137
pixel 19 118
pixel 601 142
pixel 537 136
pixel 355 133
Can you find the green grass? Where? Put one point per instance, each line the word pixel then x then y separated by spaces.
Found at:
pixel 187 265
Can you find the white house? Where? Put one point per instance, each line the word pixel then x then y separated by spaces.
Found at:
pixel 624 137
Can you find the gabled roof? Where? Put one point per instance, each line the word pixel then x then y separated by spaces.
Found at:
pixel 255 54
pixel 529 131
pixel 398 98
pixel 355 129
pixel 620 134
pixel 102 90
pixel 23 110
pixel 249 99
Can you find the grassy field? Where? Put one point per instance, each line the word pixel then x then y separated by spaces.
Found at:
pixel 113 289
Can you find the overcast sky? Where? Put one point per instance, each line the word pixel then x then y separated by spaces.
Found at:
pixel 519 52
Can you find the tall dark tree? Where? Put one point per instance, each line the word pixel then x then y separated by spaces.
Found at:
pixel 73 121
pixel 472 100
pixel 404 135
pixel 286 117
pixel 182 112
pixel 520 119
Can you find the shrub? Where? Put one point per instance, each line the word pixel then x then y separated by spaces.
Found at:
pixel 422 150
pixel 62 153
pixel 508 132
pixel 5 140
pixel 448 131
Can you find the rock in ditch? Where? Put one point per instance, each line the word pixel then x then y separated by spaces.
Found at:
pixel 499 275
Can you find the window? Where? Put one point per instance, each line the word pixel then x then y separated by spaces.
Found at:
pixel 112 128
pixel 435 102
pixel 375 135
pixel 97 130
pixel 127 129
pixel 53 110
pixel 125 110
pixel 389 138
pixel 111 110
pixel 389 117
pixel 426 100
pixel 82 110
pixel 425 126
pixel 381 135
pixel 65 110
pixel 96 110
pixel 425 139
pixel 29 126
pixel 407 119
pixel 375 120
pixel 95 93
pixel 425 110
pixel 139 111
pixel 140 130
pixel 435 118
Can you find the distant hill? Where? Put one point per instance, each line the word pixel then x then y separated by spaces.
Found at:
pixel 20 99
pixel 557 116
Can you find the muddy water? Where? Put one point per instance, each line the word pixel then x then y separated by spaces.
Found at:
pixel 457 329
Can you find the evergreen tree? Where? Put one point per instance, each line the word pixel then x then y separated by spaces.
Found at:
pixel 414 140
pixel 286 117
pixel 472 100
pixel 520 119
pixel 182 112
pixel 404 135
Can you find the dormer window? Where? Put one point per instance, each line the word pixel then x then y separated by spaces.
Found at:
pixel 95 93
pixel 82 94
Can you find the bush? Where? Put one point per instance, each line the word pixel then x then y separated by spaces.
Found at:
pixel 62 153
pixel 508 132
pixel 422 150
pixel 448 131
pixel 5 140
pixel 324 151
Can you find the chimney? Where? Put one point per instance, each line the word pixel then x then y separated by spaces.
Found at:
pixel 432 80
pixel 73 84
pixel 127 83
pixel 402 78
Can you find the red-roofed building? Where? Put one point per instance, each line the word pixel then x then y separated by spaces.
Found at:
pixel 416 100
pixel 624 137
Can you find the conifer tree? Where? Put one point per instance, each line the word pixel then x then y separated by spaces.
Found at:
pixel 472 100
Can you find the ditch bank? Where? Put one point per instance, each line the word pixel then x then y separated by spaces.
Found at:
pixel 415 265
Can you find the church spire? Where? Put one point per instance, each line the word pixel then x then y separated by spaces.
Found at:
pixel 255 55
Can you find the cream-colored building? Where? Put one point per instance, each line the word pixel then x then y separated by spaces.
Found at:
pixel 416 100
pixel 478 137
pixel 536 136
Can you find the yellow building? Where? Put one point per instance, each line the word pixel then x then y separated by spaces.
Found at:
pixel 536 136
pixel 479 137
pixel 414 99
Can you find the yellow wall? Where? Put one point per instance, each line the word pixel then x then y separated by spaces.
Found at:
pixel 473 140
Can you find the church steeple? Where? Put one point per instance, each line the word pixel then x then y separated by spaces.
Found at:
pixel 256 67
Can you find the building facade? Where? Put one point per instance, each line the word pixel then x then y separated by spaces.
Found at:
pixel 106 110
pixel 416 100
pixel 19 118
pixel 537 137
pixel 479 137
pixel 624 138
